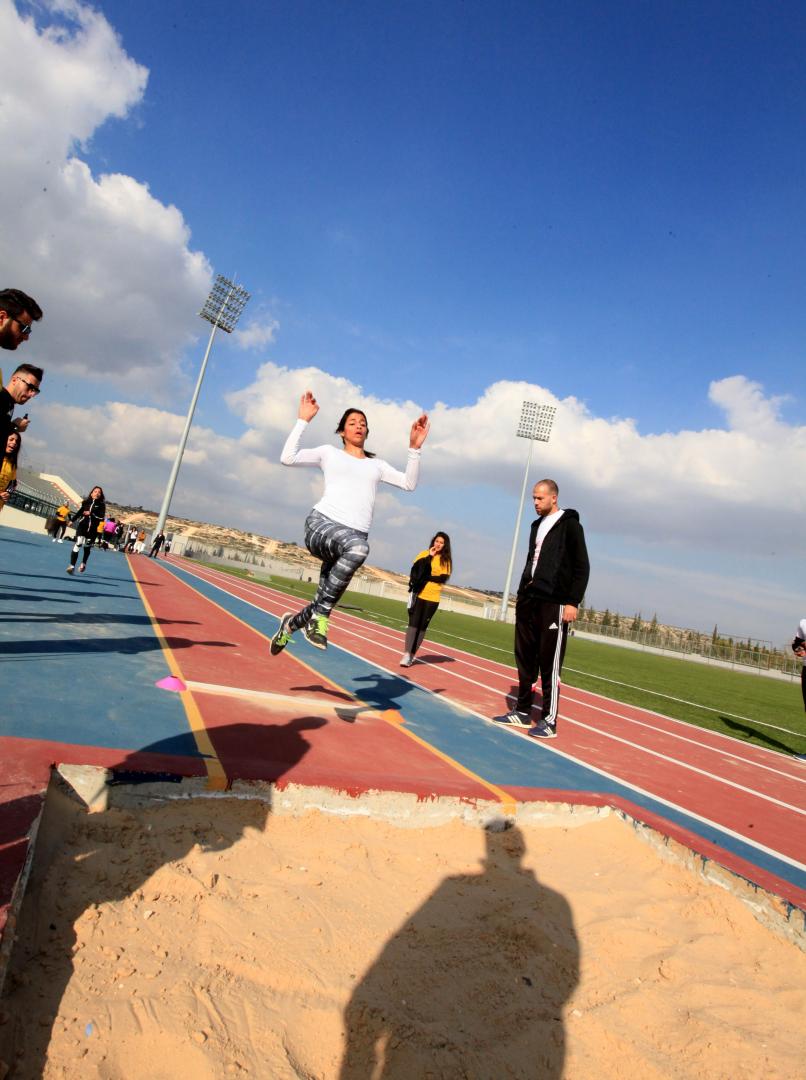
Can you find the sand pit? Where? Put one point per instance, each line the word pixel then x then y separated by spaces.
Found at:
pixel 209 938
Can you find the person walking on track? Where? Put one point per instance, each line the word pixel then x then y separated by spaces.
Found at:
pixel 86 519
pixel 430 571
pixel 337 528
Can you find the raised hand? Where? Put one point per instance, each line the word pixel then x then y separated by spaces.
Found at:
pixel 308 406
pixel 419 432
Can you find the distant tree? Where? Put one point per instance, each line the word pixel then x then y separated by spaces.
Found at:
pixel 715 635
pixel 606 617
pixel 653 626
pixel 616 620
pixel 635 625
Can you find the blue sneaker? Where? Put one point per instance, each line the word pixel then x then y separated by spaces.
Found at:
pixel 542 730
pixel 513 719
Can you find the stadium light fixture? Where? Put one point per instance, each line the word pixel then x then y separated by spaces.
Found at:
pixel 535 425
pixel 223 307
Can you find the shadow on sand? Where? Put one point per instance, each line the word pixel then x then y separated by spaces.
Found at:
pixel 473 984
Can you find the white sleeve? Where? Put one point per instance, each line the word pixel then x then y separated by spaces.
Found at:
pixel 801 630
pixel 292 455
pixel 408 479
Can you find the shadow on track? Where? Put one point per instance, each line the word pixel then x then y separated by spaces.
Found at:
pixel 113 852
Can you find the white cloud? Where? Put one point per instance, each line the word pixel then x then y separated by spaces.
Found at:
pixel 110 264
pixel 257 334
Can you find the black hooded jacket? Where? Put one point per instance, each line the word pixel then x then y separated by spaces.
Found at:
pixel 563 569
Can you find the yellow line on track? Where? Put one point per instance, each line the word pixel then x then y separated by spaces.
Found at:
pixel 216 775
pixel 391 716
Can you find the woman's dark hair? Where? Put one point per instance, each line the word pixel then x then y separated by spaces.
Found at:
pixel 94 486
pixel 445 554
pixel 340 427
pixel 15 453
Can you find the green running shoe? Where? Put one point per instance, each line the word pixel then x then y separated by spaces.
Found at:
pixel 316 631
pixel 282 637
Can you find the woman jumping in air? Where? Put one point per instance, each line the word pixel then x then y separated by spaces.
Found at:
pixel 430 571
pixel 336 529
pixel 86 519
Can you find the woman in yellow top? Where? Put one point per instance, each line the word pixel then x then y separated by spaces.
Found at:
pixel 430 571
pixel 8 466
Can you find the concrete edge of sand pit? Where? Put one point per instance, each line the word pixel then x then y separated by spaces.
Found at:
pixel 90 784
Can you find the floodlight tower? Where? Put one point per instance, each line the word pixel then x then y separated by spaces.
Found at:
pixel 535 425
pixel 222 308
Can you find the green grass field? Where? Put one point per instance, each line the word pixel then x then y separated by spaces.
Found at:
pixel 764 711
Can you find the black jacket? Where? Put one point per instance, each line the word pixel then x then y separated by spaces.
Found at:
pixel 88 526
pixel 563 569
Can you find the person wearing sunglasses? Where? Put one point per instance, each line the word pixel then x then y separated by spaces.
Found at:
pixel 18 313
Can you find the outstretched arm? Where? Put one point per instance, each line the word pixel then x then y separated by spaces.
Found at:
pixel 291 453
pixel 419 432
pixel 308 407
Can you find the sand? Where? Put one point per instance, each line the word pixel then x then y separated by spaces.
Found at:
pixel 209 938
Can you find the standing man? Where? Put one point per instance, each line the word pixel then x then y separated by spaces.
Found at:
pixel 552 586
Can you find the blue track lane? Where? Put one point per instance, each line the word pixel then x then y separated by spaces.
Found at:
pixel 78 655
pixel 504 758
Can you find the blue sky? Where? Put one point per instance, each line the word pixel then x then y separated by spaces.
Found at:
pixel 597 204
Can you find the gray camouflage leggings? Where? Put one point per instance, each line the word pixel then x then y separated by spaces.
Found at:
pixel 342 550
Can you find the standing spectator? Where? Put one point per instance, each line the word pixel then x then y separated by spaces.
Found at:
pixel 140 543
pixel 550 592
pixel 799 649
pixel 156 544
pixel 120 532
pixel 8 467
pixel 131 539
pixel 430 571
pixel 18 313
pixel 23 385
pixel 60 528
pixel 87 518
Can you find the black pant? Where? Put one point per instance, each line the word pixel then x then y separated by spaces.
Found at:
pixel 803 685
pixel 540 637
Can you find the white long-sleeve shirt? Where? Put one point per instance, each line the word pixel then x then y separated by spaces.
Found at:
pixel 351 483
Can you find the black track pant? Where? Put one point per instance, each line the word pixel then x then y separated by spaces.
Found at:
pixel 421 613
pixel 540 636
pixel 342 550
pixel 803 685
pixel 82 543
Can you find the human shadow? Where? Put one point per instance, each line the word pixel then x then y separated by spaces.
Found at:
pixel 760 736
pixel 16 650
pixel 32 597
pixel 85 860
pixel 434 658
pixel 319 688
pixel 473 984
pixel 88 618
pixel 382 690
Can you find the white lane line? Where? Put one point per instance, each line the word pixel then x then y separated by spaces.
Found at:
pixel 561 753
pixel 251 588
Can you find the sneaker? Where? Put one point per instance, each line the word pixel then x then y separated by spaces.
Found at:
pixel 542 730
pixel 406 660
pixel 82 568
pixel 70 569
pixel 513 719
pixel 315 631
pixel 54 539
pixel 282 637
pixel 60 540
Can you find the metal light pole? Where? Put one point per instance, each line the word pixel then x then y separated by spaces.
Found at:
pixel 222 308
pixel 535 425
